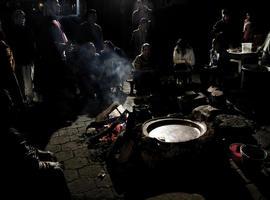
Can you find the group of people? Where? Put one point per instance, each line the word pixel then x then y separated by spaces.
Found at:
pixel 223 38
pixel 41 61
pixel 144 69
pixel 31 172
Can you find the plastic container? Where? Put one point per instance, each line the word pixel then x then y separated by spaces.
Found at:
pixel 235 151
pixel 246 47
pixel 252 156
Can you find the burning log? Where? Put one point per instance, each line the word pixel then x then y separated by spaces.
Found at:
pixel 114 127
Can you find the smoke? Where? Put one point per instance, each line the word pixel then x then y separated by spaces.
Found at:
pixel 103 74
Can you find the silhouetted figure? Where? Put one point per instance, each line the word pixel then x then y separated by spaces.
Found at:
pixel 224 26
pixel 21 42
pixel 143 74
pixel 30 172
pixel 90 72
pixel 91 31
pixel 142 11
pixel 8 79
pixel 248 29
pixel 139 37
pixel 54 77
pixel 183 60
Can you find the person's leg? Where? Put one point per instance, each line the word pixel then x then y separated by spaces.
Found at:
pixel 20 78
pixel 28 84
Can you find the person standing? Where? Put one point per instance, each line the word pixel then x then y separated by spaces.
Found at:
pixel 139 37
pixel 143 74
pixel 54 77
pixel 224 26
pixel 8 79
pixel 142 11
pixel 21 42
pixel 91 31
pixel 183 60
pixel 247 29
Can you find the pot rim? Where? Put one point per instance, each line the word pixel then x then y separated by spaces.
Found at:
pixel 146 125
pixel 244 155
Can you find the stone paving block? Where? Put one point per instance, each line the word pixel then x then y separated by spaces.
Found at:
pixel 59 140
pixel 64 155
pixel 87 123
pixel 100 194
pixel 62 132
pixel 53 148
pixel 55 134
pixel 83 118
pixel 81 185
pixel 77 125
pixel 70 146
pixel 72 131
pixel 74 138
pixel 91 171
pixel 82 130
pixel 82 152
pixel 71 175
pixel 75 163
pixel 104 182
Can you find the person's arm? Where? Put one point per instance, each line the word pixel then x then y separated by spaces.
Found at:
pixel 191 58
pixel 59 36
pixel 136 64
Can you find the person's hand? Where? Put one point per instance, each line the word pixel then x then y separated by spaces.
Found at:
pixel 50 165
pixel 55 165
pixel 46 156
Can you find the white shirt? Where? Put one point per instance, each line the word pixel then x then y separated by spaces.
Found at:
pixel 188 58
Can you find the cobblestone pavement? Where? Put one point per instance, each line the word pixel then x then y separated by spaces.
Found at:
pixel 82 174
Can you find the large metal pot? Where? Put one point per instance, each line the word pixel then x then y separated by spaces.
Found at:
pixel 167 138
pixel 173 130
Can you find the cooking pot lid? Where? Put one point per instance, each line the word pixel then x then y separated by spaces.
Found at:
pixel 173 130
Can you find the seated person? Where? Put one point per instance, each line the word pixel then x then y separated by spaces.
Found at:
pixel 219 61
pixel 32 173
pixel 183 60
pixel 139 37
pixel 263 52
pixel 143 67
pixel 89 74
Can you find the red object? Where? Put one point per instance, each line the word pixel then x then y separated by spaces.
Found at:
pixel 235 150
